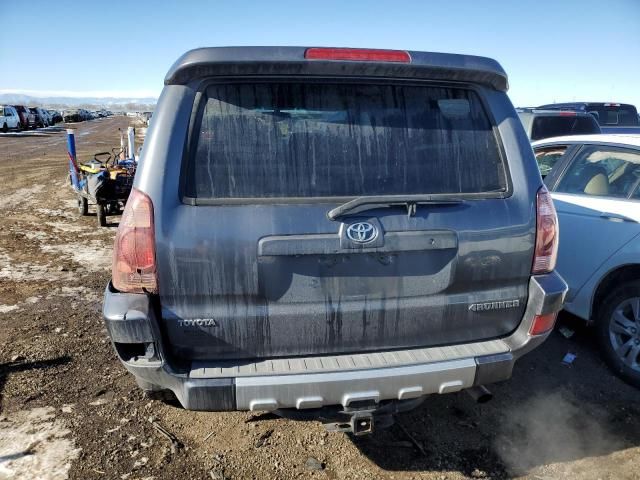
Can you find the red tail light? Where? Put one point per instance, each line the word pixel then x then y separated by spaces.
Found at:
pixel 134 252
pixel 568 114
pixel 358 55
pixel 547 232
pixel 543 323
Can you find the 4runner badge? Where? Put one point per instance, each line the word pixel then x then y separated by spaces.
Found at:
pixel 198 322
pixel 481 307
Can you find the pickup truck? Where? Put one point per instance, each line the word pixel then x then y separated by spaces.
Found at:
pixel 332 234
pixel 612 117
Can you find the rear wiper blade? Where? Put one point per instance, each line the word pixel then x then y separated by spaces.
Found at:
pixel 361 204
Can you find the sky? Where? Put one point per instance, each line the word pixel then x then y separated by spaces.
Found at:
pixel 552 50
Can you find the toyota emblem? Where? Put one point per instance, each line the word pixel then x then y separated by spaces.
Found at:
pixel 362 232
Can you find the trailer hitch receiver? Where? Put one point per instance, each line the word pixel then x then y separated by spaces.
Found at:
pixel 362 424
pixel 359 424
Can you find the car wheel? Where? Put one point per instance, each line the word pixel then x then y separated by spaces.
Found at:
pixel 102 215
pixel 83 205
pixel 5 128
pixel 618 326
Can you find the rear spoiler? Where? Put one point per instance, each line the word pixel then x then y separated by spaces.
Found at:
pixel 248 61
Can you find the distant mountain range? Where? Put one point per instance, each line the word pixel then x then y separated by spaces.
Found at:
pixel 90 103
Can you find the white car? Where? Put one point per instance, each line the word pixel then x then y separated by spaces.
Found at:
pixel 9 118
pixel 595 184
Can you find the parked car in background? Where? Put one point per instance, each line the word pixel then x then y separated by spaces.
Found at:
pixel 308 249
pixel 77 115
pixel 56 117
pixel 595 184
pixel 48 116
pixel 9 118
pixel 612 117
pixel 42 117
pixel 85 114
pixel 71 116
pixel 541 124
pixel 27 118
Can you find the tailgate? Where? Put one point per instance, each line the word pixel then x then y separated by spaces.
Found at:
pixel 253 267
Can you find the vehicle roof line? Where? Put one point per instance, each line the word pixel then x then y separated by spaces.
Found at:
pixel 240 61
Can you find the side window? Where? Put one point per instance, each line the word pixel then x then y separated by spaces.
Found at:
pixel 603 171
pixel 547 157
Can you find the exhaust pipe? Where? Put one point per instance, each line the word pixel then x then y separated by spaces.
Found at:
pixel 480 394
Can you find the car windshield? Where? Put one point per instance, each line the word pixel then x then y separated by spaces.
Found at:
pixel 284 140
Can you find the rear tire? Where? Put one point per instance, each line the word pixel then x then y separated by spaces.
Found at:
pixel 102 215
pixel 5 128
pixel 618 331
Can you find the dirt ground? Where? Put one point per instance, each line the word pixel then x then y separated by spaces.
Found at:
pixel 69 410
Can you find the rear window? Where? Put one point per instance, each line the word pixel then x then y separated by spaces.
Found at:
pixel 298 140
pixel 556 126
pixel 620 115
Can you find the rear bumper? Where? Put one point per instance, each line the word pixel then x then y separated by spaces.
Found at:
pixel 315 382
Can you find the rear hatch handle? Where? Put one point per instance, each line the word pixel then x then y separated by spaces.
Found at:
pixel 362 204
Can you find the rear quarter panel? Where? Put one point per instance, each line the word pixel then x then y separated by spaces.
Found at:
pixel 582 302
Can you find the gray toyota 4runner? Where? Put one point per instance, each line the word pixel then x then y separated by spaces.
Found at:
pixel 332 233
